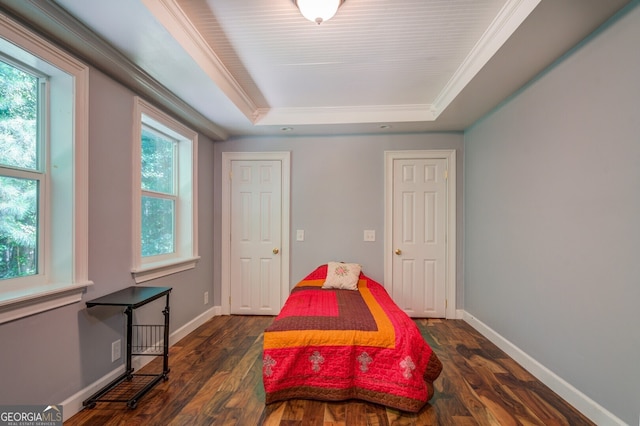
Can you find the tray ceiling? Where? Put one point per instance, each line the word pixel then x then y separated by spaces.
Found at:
pixel 256 67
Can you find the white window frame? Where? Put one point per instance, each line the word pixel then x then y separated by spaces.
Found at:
pixel 186 228
pixel 173 196
pixel 40 174
pixel 63 276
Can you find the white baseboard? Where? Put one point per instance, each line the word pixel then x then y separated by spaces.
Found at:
pixel 594 411
pixel 73 404
pixel 183 331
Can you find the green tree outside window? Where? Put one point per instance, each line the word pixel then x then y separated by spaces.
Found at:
pixel 19 160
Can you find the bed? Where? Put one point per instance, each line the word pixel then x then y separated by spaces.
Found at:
pixel 346 342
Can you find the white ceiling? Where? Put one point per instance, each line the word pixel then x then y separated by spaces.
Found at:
pixel 256 67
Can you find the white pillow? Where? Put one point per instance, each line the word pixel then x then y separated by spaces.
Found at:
pixel 342 275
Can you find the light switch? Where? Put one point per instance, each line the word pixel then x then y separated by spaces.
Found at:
pixel 369 235
pixel 300 235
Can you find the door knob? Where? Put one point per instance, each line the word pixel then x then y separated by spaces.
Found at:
pixel 276 251
pixel 398 252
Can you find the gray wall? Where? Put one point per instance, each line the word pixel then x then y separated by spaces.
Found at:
pixel 552 203
pixel 47 358
pixel 337 191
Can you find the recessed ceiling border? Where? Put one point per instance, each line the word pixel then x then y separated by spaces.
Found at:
pixel 345 115
pixel 177 23
pixel 57 24
pixel 510 17
pixel 173 18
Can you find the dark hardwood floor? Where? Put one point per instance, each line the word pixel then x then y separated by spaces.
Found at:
pixel 216 379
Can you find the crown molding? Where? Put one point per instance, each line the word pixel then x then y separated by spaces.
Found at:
pixel 54 23
pixel 178 24
pixel 345 115
pixel 511 16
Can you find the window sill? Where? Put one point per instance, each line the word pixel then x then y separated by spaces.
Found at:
pixel 16 305
pixel 156 270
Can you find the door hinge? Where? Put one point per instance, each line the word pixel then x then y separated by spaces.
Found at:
pixel 230 175
pixel 446 174
pixel 446 303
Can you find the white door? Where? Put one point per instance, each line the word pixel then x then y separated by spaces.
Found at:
pixel 419 234
pixel 256 234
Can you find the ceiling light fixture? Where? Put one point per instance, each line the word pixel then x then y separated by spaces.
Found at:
pixel 318 11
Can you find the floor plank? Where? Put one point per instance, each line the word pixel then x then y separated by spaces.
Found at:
pixel 216 379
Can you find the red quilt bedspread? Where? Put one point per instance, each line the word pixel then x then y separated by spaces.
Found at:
pixel 334 345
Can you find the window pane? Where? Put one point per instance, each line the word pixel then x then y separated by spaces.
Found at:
pixel 18 118
pixel 18 227
pixel 157 163
pixel 157 226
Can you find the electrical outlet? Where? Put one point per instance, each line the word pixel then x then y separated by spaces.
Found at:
pixel 206 297
pixel 370 235
pixel 300 235
pixel 116 350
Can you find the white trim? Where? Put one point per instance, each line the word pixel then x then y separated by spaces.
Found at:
pixel 594 411
pixel 227 158
pixel 192 325
pixel 67 29
pixel 511 16
pixel 81 177
pixel 186 250
pixel 41 299
pixel 73 405
pixel 65 289
pixel 172 17
pixel 152 271
pixel 450 156
pixel 345 114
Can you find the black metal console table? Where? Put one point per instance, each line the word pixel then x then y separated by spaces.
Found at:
pixel 146 340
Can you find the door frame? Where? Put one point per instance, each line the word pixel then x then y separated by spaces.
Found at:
pixel 450 261
pixel 225 264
